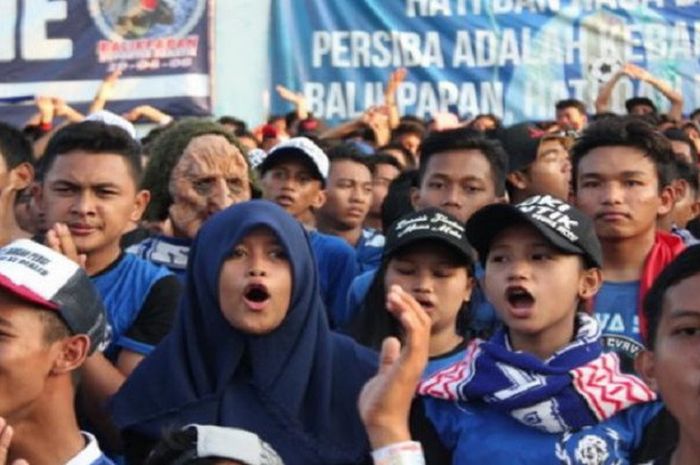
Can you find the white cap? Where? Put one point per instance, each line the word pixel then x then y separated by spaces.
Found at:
pixel 301 145
pixel 234 444
pixel 256 157
pixel 112 119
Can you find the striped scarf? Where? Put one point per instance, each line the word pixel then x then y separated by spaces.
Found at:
pixel 577 386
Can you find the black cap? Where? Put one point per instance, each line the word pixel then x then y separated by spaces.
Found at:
pixel 429 224
pixel 566 227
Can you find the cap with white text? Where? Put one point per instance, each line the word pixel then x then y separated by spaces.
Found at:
pixel 566 227
pixel 37 274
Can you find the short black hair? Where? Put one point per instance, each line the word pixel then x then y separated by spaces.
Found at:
pixel 687 172
pixel 679 135
pixel 272 118
pixel 684 266
pixel 695 113
pixel 247 135
pixel 412 119
pixel 348 152
pixel 407 155
pixel 15 148
pixel 626 131
pixel 408 127
pixel 55 328
pixel 466 139
pixel 571 103
pixel 384 159
pixel 397 202
pixel 603 115
pixel 640 101
pixel 238 124
pixel 497 123
pixel 94 137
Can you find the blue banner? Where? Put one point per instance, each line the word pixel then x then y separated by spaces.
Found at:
pixel 65 48
pixel 513 58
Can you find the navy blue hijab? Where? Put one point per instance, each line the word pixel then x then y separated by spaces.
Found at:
pixel 296 386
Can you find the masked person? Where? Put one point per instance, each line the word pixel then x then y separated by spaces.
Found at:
pixel 196 169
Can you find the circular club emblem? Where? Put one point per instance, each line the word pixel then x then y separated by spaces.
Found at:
pixel 145 19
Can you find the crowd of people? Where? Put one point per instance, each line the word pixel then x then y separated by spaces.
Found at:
pixel 388 290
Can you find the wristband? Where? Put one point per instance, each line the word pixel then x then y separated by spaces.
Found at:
pixel 401 453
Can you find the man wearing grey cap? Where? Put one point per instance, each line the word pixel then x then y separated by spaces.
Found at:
pixel 51 320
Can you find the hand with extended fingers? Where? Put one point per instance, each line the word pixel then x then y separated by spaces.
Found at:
pixel 59 239
pixel 385 401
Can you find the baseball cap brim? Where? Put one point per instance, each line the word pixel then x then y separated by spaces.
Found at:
pixel 483 227
pixel 25 294
pixel 290 154
pixel 399 246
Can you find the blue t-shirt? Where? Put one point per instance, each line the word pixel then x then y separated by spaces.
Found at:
pixel 477 433
pixel 369 249
pixel 337 267
pixel 615 309
pixel 135 289
pixel 441 362
pixel 170 252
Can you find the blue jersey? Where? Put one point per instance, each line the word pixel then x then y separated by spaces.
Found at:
pixel 170 252
pixel 369 249
pixel 616 310
pixel 441 362
pixel 125 288
pixel 337 267
pixel 478 434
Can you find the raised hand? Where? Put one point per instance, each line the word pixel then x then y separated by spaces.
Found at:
pixel 385 401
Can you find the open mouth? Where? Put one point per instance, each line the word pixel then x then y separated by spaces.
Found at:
pixel 256 295
pixel 284 200
pixel 426 304
pixel 519 297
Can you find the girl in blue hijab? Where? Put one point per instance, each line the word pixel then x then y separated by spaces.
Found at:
pixel 251 349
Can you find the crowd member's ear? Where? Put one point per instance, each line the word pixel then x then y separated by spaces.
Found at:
pixel 319 199
pixel 72 352
pixel 140 203
pixel 645 366
pixel 667 197
pixel 518 179
pixel 22 175
pixel 469 289
pixel 415 198
pixel 679 188
pixel 695 208
pixel 590 282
